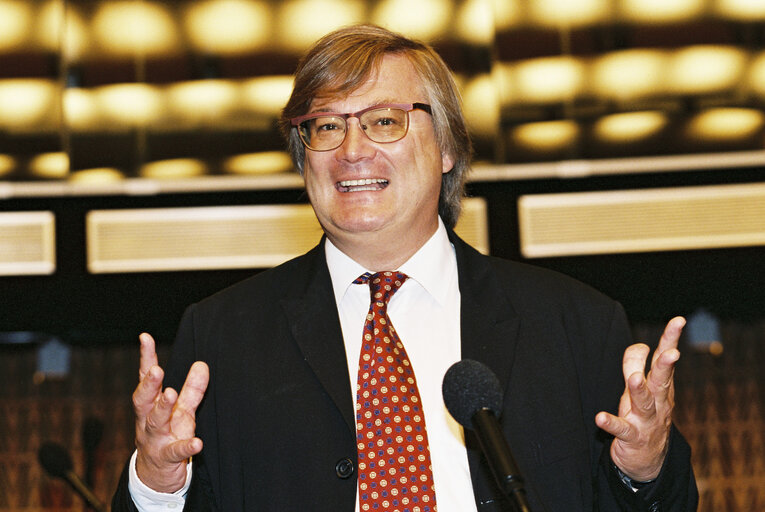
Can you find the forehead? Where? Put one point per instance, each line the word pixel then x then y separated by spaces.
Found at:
pixel 394 80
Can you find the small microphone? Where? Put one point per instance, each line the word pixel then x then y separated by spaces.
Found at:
pixel 57 463
pixel 473 396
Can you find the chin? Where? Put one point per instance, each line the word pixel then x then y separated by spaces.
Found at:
pixel 360 224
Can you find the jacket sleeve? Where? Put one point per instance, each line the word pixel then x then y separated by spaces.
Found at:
pixel 199 496
pixel 675 488
pixel 198 499
pixel 673 491
pixel 121 501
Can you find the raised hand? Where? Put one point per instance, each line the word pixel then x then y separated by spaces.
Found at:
pixel 641 430
pixel 165 421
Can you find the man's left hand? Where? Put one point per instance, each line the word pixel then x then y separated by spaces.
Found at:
pixel 641 431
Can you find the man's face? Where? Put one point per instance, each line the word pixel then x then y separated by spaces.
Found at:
pixel 401 201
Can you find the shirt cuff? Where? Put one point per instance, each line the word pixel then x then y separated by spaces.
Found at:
pixel 634 485
pixel 149 500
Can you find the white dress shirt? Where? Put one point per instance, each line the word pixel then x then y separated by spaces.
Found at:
pixel 426 314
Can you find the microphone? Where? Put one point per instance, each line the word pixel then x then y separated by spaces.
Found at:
pixel 473 396
pixel 57 463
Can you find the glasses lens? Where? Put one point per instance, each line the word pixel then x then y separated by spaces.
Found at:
pixel 384 124
pixel 323 133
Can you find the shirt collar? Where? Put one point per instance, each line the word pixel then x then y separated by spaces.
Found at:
pixel 433 266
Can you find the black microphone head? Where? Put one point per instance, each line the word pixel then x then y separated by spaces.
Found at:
pixel 468 387
pixel 55 459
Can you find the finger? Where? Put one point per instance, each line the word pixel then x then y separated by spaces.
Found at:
pixel 664 358
pixel 661 375
pixel 158 419
pixel 670 337
pixel 616 426
pixel 634 360
pixel 194 387
pixel 148 354
pixel 641 399
pixel 147 391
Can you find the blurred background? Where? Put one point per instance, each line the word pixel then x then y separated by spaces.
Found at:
pixel 618 141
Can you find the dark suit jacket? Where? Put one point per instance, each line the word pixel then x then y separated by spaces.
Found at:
pixel 277 420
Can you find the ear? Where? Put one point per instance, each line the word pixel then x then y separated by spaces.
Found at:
pixel 447 162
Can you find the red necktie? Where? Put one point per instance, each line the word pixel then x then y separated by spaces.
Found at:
pixel 394 459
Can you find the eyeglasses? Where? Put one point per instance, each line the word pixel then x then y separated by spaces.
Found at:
pixel 325 131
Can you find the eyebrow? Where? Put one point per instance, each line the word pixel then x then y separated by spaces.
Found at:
pixel 384 101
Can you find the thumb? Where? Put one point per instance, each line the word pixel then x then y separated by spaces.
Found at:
pixel 182 450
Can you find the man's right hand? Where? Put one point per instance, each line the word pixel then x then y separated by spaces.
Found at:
pixel 165 421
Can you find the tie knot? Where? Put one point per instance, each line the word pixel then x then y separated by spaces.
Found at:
pixel 382 285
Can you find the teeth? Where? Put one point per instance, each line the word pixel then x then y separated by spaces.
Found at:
pixel 357 183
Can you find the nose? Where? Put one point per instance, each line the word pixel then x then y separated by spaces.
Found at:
pixel 356 145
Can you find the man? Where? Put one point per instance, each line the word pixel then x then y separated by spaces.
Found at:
pixel 270 365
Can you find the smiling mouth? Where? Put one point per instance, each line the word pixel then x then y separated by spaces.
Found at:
pixel 368 184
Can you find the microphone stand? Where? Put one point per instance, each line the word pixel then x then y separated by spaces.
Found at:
pixel 57 462
pixel 500 459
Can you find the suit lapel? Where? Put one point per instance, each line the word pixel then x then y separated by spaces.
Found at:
pixel 490 330
pixel 492 334
pixel 489 322
pixel 315 324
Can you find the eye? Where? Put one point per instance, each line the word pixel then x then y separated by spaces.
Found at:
pixel 385 121
pixel 327 126
pixel 383 118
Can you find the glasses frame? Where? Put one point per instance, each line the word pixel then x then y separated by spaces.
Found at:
pixel 406 107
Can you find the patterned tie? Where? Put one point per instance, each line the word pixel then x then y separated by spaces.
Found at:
pixel 395 473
